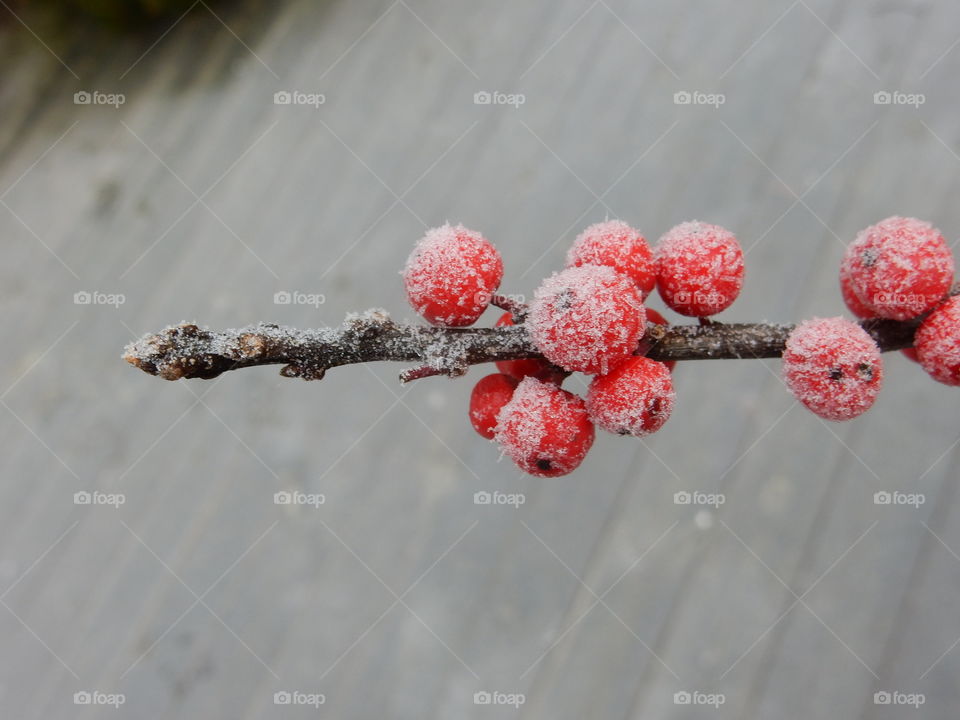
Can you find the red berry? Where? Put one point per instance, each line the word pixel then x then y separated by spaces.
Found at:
pixel 937 342
pixel 899 268
pixel 488 396
pixel 587 318
pixel 655 318
pixel 833 367
pixel 699 268
pixel 853 303
pixel 635 398
pixel 527 366
pixel 615 244
pixel 544 429
pixel 451 274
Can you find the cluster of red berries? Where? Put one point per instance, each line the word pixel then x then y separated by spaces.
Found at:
pixel 589 318
pixel 900 269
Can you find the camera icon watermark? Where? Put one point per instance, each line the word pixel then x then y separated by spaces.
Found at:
pixel 495 697
pixel 295 697
pixel 894 697
pixel 95 697
pixel 695 97
pixel 695 697
pixel 84 497
pixel 295 297
pixel 496 497
pixel 296 97
pixel 485 97
pixel 695 497
pixel 295 497
pixel 95 97
pixel 896 97
pixel 84 297
pixel 896 497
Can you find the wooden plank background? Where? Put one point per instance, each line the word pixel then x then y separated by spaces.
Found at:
pixel 199 198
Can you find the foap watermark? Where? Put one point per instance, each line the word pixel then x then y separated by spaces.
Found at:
pixel 710 299
pixel 893 697
pixel 896 97
pixel 295 497
pixel 296 697
pixel 84 297
pixel 95 697
pixel 483 297
pixel 297 97
pixel 695 97
pixel 295 297
pixel 96 497
pixel 95 97
pixel 695 697
pixel 695 497
pixel 895 497
pixel 916 302
pixel 495 697
pixel 485 97
pixel 499 498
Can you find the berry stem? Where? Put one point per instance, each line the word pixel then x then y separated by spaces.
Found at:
pixel 188 351
pixel 516 308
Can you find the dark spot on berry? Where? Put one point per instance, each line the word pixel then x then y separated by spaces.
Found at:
pixel 836 373
pixel 656 406
pixel 623 431
pixel 865 371
pixel 869 257
pixel 565 299
pixel 544 464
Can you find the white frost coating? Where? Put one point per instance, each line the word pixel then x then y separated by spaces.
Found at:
pixel 833 367
pixel 899 268
pixel 450 275
pixel 540 423
pixel 635 399
pixel 617 245
pixel 699 264
pixel 938 343
pixel 586 318
pixel 523 413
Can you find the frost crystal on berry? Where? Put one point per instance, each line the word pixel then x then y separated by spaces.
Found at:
pixel 899 268
pixel 635 398
pixel 833 367
pixel 544 429
pixel 699 268
pixel 587 318
pixel 937 342
pixel 488 397
pixel 615 244
pixel 451 275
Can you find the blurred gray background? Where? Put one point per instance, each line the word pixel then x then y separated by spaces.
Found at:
pixel 199 198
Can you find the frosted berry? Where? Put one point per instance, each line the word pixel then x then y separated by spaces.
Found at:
pixel 833 367
pixel 854 304
pixel 655 318
pixel 635 398
pixel 615 244
pixel 699 268
pixel 488 396
pixel 587 318
pixel 526 366
pixel 937 342
pixel 544 429
pixel 899 268
pixel 451 274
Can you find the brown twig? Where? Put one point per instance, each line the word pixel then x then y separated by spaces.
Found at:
pixel 188 351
